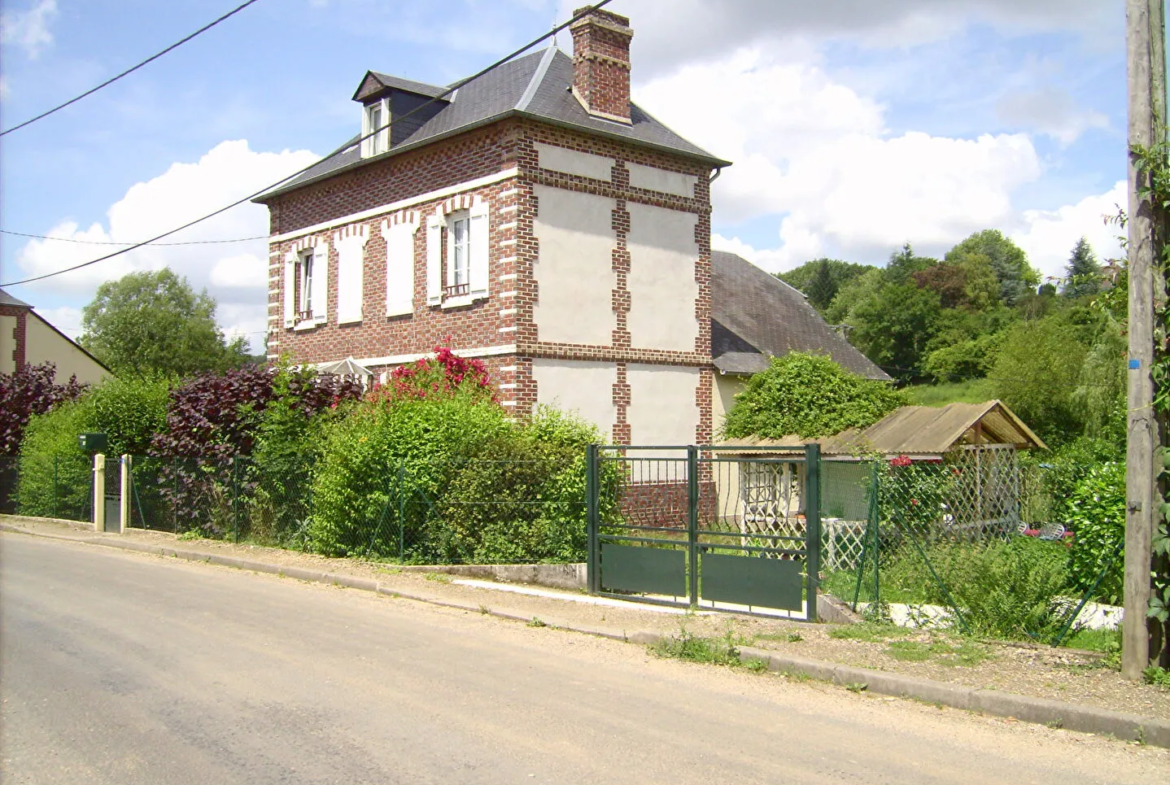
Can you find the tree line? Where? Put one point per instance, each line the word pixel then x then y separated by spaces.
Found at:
pixel 981 316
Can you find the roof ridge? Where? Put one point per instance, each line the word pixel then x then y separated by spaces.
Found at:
pixel 537 77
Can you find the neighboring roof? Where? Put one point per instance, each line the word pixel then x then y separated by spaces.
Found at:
pixel 756 316
pixel 537 86
pixel 7 299
pixel 919 432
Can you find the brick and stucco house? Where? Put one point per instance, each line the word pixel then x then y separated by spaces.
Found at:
pixel 536 219
pixel 27 338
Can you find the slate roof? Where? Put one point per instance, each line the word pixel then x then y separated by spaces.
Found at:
pixel 918 432
pixel 755 316
pixel 536 86
pixel 7 299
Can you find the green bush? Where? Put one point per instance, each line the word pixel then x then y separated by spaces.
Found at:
pixel 55 475
pixel 1096 514
pixel 364 454
pixel 809 395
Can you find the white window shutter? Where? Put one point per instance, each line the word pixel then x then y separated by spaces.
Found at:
pixel 367 145
pixel 384 134
pixel 399 268
pixel 478 251
pixel 290 289
pixel 321 282
pixel 434 261
pixel 350 261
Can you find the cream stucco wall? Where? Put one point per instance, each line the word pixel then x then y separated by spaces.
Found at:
pixel 574 271
pixel 655 179
pixel 726 387
pixel 663 408
pixel 7 344
pixel 560 159
pixel 662 286
pixel 46 344
pixel 583 387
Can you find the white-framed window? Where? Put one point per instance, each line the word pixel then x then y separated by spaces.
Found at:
pixel 459 242
pixel 305 285
pixel 457 256
pixel 376 121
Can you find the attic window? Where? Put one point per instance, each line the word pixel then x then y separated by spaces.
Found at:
pixel 376 121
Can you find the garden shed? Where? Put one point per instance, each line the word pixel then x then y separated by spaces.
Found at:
pixel 964 455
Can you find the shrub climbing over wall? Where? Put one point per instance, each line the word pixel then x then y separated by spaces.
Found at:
pixel 809 395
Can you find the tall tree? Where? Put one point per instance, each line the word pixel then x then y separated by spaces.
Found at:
pixel 1016 277
pixel 1083 273
pixel 822 288
pixel 155 322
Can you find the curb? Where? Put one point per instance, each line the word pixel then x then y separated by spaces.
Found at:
pixel 1054 714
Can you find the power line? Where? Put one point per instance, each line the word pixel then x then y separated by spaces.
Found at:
pixel 129 71
pixel 447 91
pixel 105 242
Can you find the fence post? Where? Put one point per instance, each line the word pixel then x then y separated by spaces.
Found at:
pixel 812 520
pixel 124 493
pixel 693 521
pixel 592 494
pixel 402 509
pixel 56 490
pixel 236 496
pixel 99 492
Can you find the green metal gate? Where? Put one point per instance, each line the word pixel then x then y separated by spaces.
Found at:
pixel 706 528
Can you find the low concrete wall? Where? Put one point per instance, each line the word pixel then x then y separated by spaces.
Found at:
pixel 556 576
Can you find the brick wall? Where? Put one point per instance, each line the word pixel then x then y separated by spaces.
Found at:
pixel 19 333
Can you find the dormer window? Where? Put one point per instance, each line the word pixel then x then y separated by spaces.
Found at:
pixel 376 121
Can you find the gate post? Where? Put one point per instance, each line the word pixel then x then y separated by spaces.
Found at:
pixel 812 518
pixel 693 522
pixel 592 515
pixel 99 492
pixel 124 501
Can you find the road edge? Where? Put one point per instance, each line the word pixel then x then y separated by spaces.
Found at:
pixel 1054 714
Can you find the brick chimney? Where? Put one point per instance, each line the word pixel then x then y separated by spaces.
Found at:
pixel 601 64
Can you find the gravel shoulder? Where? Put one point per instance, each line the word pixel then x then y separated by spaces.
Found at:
pixel 1066 675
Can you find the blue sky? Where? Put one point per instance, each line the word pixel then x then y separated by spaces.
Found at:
pixel 855 126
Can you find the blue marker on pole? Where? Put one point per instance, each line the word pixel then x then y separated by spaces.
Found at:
pixel 1135 365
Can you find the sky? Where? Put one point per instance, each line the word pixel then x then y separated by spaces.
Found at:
pixel 853 126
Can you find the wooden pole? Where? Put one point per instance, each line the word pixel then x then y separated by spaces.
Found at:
pixel 1146 79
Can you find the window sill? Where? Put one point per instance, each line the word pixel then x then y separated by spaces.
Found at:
pixel 461 301
pixel 309 325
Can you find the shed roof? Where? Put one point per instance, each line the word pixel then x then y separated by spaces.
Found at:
pixel 917 431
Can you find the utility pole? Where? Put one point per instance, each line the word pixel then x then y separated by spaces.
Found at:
pixel 1145 47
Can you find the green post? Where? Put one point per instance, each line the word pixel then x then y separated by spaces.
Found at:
pixel 401 509
pixel 56 491
pixel 693 522
pixel 812 519
pixel 877 540
pixel 592 515
pixel 236 495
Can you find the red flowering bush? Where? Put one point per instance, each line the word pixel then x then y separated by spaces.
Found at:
pixel 446 375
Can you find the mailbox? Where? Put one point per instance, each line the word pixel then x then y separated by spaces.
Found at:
pixel 93 442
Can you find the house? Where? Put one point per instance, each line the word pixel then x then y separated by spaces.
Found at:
pixel 756 316
pixel 537 219
pixel 26 338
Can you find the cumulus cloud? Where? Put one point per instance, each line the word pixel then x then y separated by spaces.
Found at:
pixel 1048 236
pixel 1049 111
pixel 817 155
pixel 66 319
pixel 29 29
pixel 236 274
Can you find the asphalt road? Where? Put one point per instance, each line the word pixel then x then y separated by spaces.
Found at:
pixel 123 668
